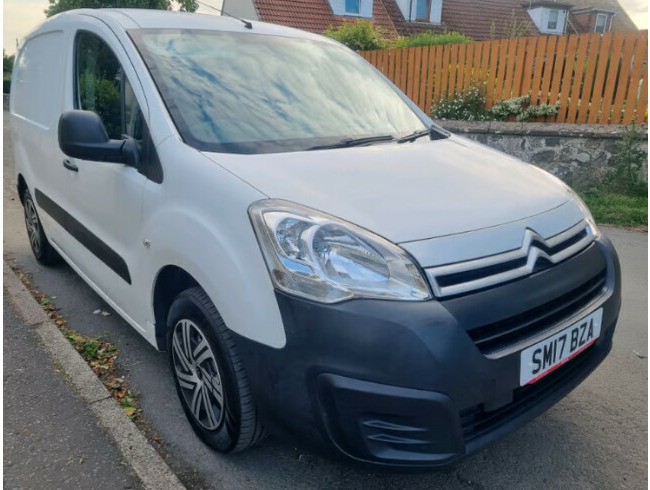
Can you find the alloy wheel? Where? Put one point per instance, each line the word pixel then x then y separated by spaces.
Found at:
pixel 197 372
pixel 33 226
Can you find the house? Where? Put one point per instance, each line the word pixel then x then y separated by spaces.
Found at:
pixel 588 15
pixel 482 20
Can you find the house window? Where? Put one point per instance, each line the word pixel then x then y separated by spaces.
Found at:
pixel 422 10
pixel 601 23
pixel 552 20
pixel 352 6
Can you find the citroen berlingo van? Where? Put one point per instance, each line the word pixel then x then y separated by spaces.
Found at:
pixel 314 253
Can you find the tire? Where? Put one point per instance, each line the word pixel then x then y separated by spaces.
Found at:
pixel 38 242
pixel 210 370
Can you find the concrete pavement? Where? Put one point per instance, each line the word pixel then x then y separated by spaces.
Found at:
pixel 50 438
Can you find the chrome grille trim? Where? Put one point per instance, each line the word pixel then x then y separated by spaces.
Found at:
pixel 527 251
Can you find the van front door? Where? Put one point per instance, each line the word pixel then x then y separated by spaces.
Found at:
pixel 102 202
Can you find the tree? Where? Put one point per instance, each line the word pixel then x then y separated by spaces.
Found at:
pixel 360 35
pixel 7 62
pixel 513 27
pixel 58 6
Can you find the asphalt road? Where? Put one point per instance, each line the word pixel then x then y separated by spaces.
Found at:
pixel 594 438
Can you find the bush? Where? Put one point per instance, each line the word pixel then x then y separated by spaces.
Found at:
pixel 539 111
pixel 430 39
pixel 465 106
pixel 504 109
pixel 625 176
pixel 521 110
pixel 361 35
pixel 6 85
pixel 470 106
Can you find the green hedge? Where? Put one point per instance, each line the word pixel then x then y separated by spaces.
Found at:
pixel 6 85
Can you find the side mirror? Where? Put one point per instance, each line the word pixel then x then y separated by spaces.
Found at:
pixel 82 135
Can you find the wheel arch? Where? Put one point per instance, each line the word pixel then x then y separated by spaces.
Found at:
pixel 170 281
pixel 21 186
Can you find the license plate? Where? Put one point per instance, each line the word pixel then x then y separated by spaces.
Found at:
pixel 546 356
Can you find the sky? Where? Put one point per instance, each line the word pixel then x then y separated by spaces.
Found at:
pixel 21 16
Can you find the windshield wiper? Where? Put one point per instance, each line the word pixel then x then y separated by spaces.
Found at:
pixel 433 132
pixel 416 134
pixel 348 142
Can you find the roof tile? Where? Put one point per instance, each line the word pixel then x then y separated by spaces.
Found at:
pixel 479 20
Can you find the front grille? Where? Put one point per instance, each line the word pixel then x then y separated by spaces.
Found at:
pixel 504 333
pixel 535 254
pixel 476 422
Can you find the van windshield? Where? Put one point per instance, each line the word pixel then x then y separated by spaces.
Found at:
pixel 250 93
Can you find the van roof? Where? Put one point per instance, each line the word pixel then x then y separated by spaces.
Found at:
pixel 165 19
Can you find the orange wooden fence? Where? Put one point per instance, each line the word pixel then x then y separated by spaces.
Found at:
pixel 595 78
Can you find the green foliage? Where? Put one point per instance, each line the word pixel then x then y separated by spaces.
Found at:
pixel 7 62
pixel 6 85
pixel 430 39
pixel 58 6
pixel 539 111
pixel 617 209
pixel 504 109
pixel 521 110
pixel 361 35
pixel 89 348
pixel 465 106
pixel 625 176
pixel 470 106
pixel 103 97
pixel 513 27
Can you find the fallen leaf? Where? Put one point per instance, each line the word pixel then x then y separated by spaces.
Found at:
pixel 97 312
pixel 105 313
pixel 81 460
pixel 129 411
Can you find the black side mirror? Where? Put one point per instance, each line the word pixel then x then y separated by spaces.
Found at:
pixel 82 135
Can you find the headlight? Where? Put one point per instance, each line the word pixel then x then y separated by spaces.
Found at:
pixel 325 259
pixel 590 219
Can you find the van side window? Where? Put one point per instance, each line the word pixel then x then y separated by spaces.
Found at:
pixel 99 79
pixel 103 88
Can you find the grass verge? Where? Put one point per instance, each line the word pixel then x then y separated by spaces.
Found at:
pixel 618 209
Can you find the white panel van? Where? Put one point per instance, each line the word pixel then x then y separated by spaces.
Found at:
pixel 314 253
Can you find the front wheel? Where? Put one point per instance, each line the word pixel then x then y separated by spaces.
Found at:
pixel 210 378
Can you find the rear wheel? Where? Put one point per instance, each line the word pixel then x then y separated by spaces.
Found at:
pixel 41 248
pixel 210 378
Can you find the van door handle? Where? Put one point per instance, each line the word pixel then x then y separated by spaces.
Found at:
pixel 70 166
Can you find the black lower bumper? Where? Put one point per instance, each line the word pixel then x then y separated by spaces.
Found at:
pixel 410 384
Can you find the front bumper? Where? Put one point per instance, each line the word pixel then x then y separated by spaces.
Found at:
pixel 424 384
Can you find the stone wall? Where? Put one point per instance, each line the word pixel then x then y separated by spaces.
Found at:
pixel 577 153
